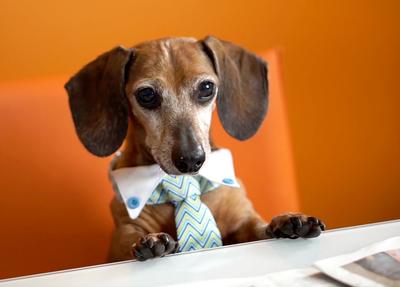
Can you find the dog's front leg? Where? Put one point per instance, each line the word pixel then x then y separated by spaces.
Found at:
pixel 146 237
pixel 288 225
pixel 132 242
pixel 154 245
pixel 294 225
pixel 239 222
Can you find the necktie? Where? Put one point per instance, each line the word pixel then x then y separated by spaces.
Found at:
pixel 195 224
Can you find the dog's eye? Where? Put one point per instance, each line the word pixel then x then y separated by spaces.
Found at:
pixel 205 91
pixel 148 98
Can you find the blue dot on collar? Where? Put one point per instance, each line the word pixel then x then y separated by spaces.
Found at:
pixel 133 202
pixel 228 180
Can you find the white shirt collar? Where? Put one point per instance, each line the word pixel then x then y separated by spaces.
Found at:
pixel 135 185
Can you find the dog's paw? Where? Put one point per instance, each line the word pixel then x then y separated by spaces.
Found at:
pixel 295 225
pixel 154 245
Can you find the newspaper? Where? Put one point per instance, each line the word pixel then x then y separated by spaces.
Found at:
pixel 375 265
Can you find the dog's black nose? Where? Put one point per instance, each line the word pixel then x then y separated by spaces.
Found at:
pixel 189 162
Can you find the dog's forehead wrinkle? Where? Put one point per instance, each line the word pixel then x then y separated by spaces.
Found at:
pixel 178 57
pixel 169 40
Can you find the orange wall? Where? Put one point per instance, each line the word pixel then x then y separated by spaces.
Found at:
pixel 340 67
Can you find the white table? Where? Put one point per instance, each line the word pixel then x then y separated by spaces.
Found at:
pixel 249 259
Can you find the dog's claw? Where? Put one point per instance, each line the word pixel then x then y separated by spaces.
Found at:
pixel 154 245
pixel 294 226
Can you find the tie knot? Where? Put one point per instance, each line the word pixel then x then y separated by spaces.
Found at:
pixel 181 187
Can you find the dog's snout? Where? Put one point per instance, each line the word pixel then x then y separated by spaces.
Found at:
pixel 188 154
pixel 188 162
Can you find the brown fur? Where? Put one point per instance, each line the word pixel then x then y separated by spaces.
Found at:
pixel 106 112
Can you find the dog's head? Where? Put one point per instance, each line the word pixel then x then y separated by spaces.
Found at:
pixel 169 88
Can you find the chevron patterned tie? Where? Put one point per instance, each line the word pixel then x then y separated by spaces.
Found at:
pixel 196 227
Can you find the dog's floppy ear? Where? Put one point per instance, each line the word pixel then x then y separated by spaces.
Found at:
pixel 242 98
pixel 97 101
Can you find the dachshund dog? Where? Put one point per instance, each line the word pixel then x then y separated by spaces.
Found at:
pixel 157 98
